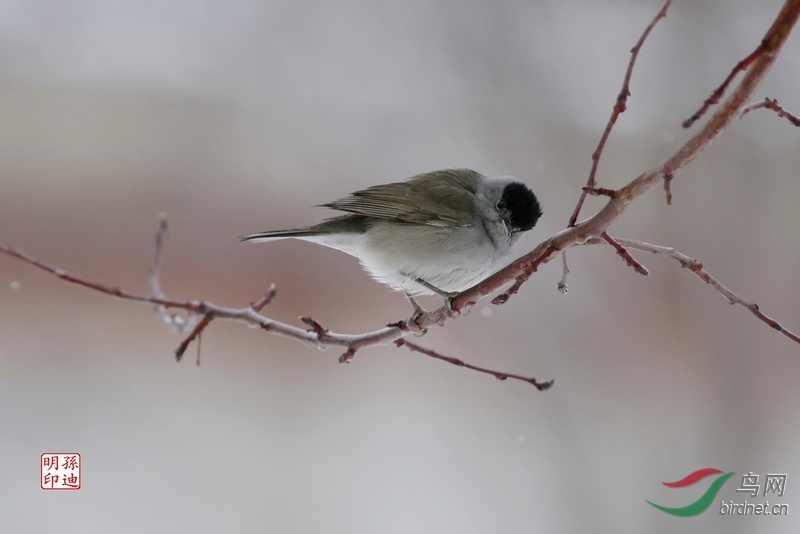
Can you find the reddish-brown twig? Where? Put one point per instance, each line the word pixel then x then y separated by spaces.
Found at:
pixel 599 191
pixel 719 91
pixel 202 308
pixel 625 255
pixel 315 335
pixel 772 104
pixel 525 269
pixel 347 356
pixel 317 328
pixel 413 347
pixel 619 107
pixel 697 268
pixel 668 176
pixel 265 300
pixel 201 325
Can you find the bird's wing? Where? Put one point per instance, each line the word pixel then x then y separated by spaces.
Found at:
pixel 436 198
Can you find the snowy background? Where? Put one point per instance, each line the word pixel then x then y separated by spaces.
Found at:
pixel 235 117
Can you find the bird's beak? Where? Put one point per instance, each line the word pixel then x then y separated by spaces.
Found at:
pixel 507 227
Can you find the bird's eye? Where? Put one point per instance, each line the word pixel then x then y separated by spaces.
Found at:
pixel 500 205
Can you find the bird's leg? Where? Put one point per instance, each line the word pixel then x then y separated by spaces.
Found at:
pixel 447 296
pixel 418 310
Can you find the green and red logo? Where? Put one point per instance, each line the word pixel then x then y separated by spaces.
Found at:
pixel 705 499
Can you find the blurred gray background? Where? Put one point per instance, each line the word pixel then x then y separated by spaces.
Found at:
pixel 235 117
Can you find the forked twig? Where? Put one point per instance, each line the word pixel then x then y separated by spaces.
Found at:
pixel 625 255
pixel 697 268
pixel 207 311
pixel 173 320
pixel 619 107
pixel 717 93
pixel 772 104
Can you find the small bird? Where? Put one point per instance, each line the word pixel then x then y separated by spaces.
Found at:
pixel 437 233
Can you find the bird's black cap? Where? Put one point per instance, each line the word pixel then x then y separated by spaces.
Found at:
pixel 524 209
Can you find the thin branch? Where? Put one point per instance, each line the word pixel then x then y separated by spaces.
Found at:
pixel 413 347
pixel 347 356
pixel 317 328
pixel 522 266
pixel 204 322
pixel 619 107
pixel 316 335
pixel 668 176
pixel 697 268
pixel 625 255
pixel 772 104
pixel 599 191
pixel 201 308
pixel 173 320
pixel 154 275
pixel 264 301
pixel 719 91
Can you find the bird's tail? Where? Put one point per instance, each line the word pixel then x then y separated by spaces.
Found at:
pixel 344 224
pixel 261 237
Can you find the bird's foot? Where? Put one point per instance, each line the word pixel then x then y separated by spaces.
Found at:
pixel 446 295
pixel 413 321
